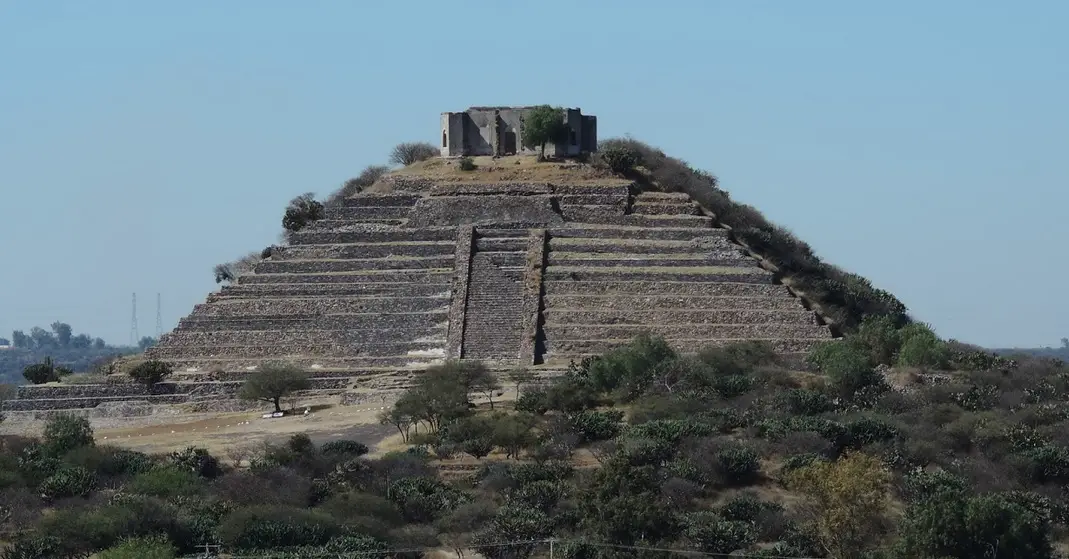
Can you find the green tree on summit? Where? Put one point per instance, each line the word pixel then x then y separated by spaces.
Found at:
pixel 541 125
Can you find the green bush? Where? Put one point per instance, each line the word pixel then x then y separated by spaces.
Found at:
pixel 619 159
pixel 164 482
pixel 596 426
pixel 846 365
pixel 466 164
pixel 196 461
pixel 151 372
pixel 68 482
pixel 33 546
pixel 922 348
pixel 801 401
pixel 710 533
pixel 65 432
pixel 155 547
pixel 737 465
pixel 348 448
pixel 276 527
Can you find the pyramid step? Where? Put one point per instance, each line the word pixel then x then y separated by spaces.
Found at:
pixel 364 250
pixel 299 336
pixel 277 351
pixel 592 260
pixel 429 276
pixel 375 200
pixel 348 213
pixel 734 274
pixel 598 347
pixel 664 302
pixel 654 288
pixel 648 208
pixel 414 322
pixel 256 291
pixel 619 199
pixel 353 265
pixel 648 233
pixel 657 246
pixel 342 225
pixel 486 244
pixel 610 317
pixel 373 234
pixel 679 331
pixel 318 306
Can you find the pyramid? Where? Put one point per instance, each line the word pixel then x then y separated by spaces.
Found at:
pixel 436 263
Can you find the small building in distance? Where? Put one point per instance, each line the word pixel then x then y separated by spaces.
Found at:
pixel 499 131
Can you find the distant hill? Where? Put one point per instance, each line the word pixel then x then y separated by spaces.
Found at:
pixel 78 352
pixel 1055 352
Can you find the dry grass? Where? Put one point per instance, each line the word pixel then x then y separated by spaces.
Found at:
pixel 219 432
pixel 513 168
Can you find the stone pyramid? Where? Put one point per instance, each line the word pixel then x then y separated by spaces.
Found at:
pixel 510 272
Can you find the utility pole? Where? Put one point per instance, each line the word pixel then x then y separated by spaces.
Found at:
pixel 159 317
pixel 133 322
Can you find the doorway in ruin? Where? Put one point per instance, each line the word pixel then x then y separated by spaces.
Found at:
pixel 510 142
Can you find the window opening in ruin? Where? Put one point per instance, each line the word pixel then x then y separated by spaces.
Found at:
pixel 510 142
pixel 575 141
pixel 445 142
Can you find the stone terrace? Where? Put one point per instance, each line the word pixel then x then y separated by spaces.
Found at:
pixel 516 273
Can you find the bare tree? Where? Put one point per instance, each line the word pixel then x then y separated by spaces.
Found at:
pixel 408 153
pixel 357 184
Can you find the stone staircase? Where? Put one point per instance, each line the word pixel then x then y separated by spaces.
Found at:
pixel 492 319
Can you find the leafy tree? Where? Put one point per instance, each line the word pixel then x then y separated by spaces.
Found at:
pixel 513 433
pixel 5 342
pixel 146 342
pixel 480 379
pixel 65 432
pixel 440 395
pixel 151 372
pixel 407 153
pixel 20 339
pixel 302 211
pixel 62 332
pixel 273 381
pixel 541 125
pixel 849 498
pixel 42 338
pixel 400 416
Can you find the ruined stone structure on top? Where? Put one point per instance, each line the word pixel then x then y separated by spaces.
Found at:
pixel 517 273
pixel 499 131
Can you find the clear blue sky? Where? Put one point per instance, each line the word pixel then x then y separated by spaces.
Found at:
pixel 924 145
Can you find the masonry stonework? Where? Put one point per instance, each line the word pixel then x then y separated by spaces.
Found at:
pixel 515 273
pixel 499 131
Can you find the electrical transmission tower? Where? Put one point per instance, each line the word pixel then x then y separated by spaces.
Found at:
pixel 159 317
pixel 133 323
